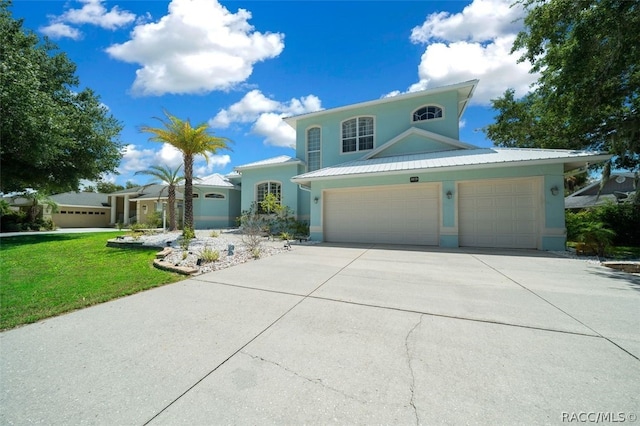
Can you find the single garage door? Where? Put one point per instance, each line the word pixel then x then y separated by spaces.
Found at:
pixel 406 214
pixel 500 213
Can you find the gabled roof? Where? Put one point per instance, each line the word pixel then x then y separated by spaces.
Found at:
pixel 216 180
pixel 453 143
pixel 465 92
pixel 270 162
pixel 453 160
pixel 591 195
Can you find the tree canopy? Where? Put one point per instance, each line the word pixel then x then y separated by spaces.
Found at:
pixel 588 95
pixel 53 134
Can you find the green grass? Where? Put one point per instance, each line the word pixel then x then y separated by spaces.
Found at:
pixel 48 274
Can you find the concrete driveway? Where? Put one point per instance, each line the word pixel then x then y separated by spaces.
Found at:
pixel 343 335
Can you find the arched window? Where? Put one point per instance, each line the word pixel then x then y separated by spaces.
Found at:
pixel 215 196
pixel 428 112
pixel 195 195
pixel 313 149
pixel 357 134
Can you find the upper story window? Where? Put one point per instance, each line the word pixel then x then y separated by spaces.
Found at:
pixel 313 149
pixel 215 196
pixel 357 134
pixel 428 112
pixel 195 195
pixel 268 188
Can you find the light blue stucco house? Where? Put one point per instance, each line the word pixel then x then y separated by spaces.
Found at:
pixel 393 170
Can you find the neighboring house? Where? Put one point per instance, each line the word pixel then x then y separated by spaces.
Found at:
pixel 618 189
pixel 79 210
pixel 75 209
pixel 393 170
pixel 216 202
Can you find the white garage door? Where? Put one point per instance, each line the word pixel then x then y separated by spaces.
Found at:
pixel 393 215
pixel 502 213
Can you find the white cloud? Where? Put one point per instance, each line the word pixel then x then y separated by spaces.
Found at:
pixel 215 161
pixel 480 21
pixel 60 30
pixel 135 159
pixel 473 44
pixel 266 115
pixel 92 12
pixel 199 46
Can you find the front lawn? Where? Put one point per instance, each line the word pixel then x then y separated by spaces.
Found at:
pixel 43 275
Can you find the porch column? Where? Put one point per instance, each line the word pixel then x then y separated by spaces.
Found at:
pixel 126 210
pixel 113 202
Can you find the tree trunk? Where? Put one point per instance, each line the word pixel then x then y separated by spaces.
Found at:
pixel 188 192
pixel 172 207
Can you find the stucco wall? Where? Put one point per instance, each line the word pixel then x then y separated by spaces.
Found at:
pixel 390 119
pixel 551 207
pixel 80 217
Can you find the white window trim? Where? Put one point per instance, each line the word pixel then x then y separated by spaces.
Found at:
pixel 306 147
pixel 340 151
pixel 429 120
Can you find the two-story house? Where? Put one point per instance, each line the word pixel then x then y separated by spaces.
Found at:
pixel 393 170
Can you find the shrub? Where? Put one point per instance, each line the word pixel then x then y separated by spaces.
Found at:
pixel 154 220
pixel 285 236
pixel 214 234
pixel 596 236
pixel 209 255
pixel 623 219
pixel 252 224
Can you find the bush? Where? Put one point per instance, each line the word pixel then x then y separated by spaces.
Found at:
pixel 209 255
pixel 623 219
pixel 596 236
pixel 154 220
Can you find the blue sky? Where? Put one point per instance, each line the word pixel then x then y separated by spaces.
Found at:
pixel 243 65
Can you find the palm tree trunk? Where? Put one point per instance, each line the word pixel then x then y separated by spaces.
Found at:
pixel 188 191
pixel 172 207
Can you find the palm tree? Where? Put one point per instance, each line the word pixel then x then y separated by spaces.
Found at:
pixel 170 176
pixel 35 200
pixel 191 141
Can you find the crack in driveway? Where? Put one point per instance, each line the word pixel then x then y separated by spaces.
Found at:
pixel 312 380
pixel 412 402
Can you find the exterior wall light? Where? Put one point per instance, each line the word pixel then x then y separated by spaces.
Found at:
pixel 449 194
pixel 315 200
pixel 554 190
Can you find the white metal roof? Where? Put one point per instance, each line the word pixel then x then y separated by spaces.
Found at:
pixel 275 161
pixel 454 159
pixel 215 179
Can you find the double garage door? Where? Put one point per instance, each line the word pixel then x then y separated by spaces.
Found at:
pixel 497 213
pixel 393 215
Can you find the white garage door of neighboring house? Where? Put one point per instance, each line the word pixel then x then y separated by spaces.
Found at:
pixel 393 215
pixel 500 213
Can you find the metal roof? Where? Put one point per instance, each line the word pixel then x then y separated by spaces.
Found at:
pixel 452 160
pixel 215 179
pixel 269 162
